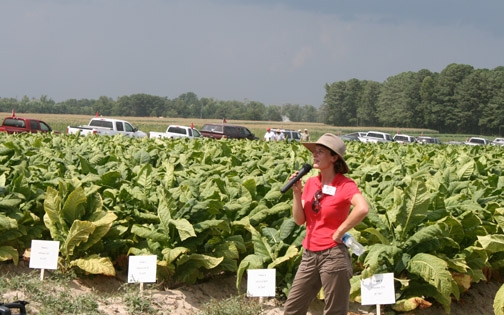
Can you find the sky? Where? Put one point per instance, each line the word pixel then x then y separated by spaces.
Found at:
pixel 270 51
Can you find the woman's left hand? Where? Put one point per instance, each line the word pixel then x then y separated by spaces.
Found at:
pixel 338 237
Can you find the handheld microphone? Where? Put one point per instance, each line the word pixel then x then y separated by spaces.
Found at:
pixel 302 172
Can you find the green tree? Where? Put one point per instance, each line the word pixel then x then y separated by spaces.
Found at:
pixel 427 101
pixel 188 105
pixel 398 100
pixel 8 104
pixel 293 111
pixel 352 100
pixel 472 96
pixel 139 105
pixel 333 104
pixel 309 114
pixel 104 105
pixel 491 120
pixel 443 112
pixel 366 111
pixel 273 113
pixel 255 110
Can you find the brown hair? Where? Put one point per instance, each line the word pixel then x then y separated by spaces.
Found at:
pixel 339 165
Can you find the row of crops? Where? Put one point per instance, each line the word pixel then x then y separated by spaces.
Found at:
pixel 208 207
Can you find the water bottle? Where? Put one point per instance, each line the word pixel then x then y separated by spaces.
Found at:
pixel 352 243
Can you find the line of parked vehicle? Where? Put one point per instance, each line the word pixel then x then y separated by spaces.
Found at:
pixel 380 137
pixel 111 126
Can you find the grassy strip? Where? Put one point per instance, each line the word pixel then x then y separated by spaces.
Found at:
pixel 231 306
pixel 54 295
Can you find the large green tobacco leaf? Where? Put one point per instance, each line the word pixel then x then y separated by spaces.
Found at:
pixel 492 243
pixel 9 253
pixel 409 209
pixel 103 222
pixel 381 258
pixel 276 210
pixel 95 264
pixel 7 223
pixel 434 271
pixel 148 232
pixel 426 239
pixel 465 171
pixel 291 252
pixel 473 225
pixel 86 166
pixel 261 245
pixel 456 229
pixel 287 228
pixel 189 267
pixel 499 217
pixel 146 180
pixel 7 204
pixel 53 219
pixel 73 207
pixel 498 304
pixel 220 225
pixel 171 254
pixel 251 261
pixel 79 233
pixel 182 226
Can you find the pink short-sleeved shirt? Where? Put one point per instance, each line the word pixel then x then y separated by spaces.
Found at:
pixel 333 211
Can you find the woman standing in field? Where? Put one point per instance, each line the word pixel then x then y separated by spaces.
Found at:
pixel 324 205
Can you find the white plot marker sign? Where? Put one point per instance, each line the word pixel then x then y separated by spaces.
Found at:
pixel 44 255
pixel 261 282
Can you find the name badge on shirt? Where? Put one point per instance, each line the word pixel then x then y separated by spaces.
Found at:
pixel 329 190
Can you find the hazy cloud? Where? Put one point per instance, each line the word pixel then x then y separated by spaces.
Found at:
pixel 275 52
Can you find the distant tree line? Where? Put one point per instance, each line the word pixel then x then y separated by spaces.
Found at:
pixel 187 105
pixel 460 99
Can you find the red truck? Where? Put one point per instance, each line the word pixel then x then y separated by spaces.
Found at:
pixel 15 124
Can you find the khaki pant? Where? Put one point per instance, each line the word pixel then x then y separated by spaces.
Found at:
pixel 329 269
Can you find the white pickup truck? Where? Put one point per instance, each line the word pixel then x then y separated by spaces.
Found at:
pixel 477 141
pixel 174 131
pixel 106 127
pixel 376 137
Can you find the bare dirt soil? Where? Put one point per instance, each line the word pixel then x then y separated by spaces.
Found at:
pixel 188 300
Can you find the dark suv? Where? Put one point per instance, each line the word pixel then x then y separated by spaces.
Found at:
pixel 218 131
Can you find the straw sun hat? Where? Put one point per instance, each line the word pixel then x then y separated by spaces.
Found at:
pixel 333 143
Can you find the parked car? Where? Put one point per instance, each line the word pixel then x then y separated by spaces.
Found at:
pixel 376 137
pixel 290 135
pixel 477 141
pixel 223 130
pixel 14 124
pixel 176 131
pixel 400 138
pixel 428 140
pixel 106 127
pixel 498 141
pixel 354 136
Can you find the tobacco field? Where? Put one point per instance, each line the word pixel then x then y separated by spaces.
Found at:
pixel 207 207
